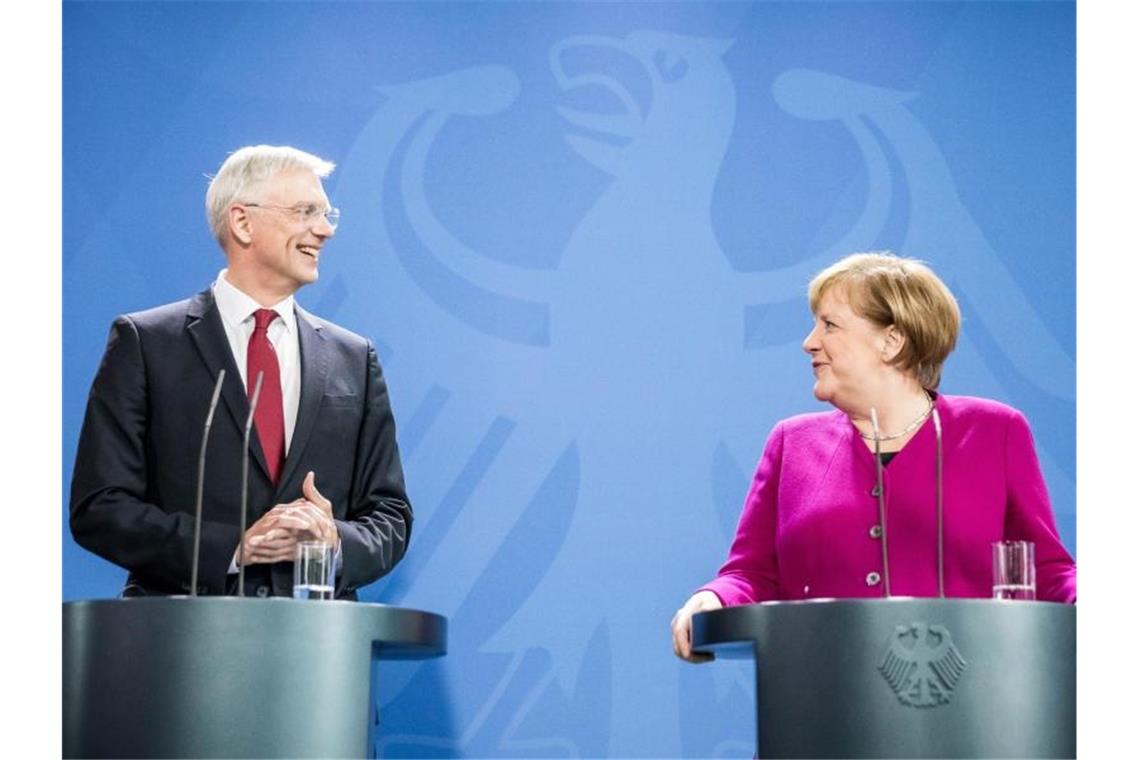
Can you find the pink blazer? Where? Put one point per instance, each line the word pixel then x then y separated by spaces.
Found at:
pixel 809 525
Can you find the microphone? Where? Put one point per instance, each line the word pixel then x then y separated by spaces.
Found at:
pixel 882 500
pixel 245 482
pixel 938 486
pixel 202 481
pixel 938 460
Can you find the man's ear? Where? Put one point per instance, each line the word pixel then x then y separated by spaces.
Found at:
pixel 893 342
pixel 240 224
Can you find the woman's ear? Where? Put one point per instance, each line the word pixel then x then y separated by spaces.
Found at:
pixel 893 342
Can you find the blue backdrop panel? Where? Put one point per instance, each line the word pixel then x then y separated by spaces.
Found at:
pixel 580 235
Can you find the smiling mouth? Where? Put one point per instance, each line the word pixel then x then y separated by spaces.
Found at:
pixel 310 250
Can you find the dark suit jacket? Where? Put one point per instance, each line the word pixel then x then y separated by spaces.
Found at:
pixel 135 480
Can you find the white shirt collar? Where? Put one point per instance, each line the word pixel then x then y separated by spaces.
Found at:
pixel 236 306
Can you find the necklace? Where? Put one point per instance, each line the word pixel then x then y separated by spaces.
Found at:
pixel 909 428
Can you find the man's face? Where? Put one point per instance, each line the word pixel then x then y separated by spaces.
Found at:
pixel 285 247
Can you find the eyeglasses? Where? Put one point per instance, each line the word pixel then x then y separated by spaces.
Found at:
pixel 309 213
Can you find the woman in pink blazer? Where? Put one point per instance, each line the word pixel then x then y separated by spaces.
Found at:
pixel 957 473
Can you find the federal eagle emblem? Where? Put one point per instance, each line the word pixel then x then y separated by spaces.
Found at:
pixel 922 665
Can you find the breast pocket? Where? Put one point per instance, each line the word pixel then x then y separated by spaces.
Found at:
pixel 340 416
pixel 340 401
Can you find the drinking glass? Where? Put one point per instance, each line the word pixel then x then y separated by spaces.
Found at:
pixel 313 571
pixel 1015 572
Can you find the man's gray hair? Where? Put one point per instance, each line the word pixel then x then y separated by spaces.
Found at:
pixel 248 167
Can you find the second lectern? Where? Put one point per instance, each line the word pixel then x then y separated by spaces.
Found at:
pixel 905 677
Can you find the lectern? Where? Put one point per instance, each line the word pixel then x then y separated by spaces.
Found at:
pixel 905 677
pixel 230 677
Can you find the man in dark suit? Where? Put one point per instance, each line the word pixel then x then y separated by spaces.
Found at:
pixel 323 416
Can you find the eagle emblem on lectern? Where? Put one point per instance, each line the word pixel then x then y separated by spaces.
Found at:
pixel 921 664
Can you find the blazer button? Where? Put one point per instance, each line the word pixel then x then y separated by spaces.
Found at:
pixel 876 491
pixel 873 578
pixel 263 591
pixel 876 531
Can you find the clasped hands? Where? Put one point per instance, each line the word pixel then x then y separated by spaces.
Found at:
pixel 275 535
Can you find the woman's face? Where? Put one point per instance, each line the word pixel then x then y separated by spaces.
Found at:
pixel 847 352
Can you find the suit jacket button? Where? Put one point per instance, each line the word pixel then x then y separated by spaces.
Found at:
pixel 873 578
pixel 263 591
pixel 876 531
pixel 875 492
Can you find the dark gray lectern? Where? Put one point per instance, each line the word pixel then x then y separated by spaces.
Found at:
pixel 905 677
pixel 229 677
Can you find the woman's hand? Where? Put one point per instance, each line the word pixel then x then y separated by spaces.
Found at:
pixel 683 625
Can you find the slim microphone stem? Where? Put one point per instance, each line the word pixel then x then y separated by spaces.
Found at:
pixel 202 481
pixel 938 468
pixel 882 501
pixel 245 482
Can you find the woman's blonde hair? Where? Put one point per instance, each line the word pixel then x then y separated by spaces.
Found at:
pixel 891 290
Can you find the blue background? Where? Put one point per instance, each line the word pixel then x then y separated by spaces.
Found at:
pixel 580 234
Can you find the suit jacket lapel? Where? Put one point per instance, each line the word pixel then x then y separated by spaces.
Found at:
pixel 204 324
pixel 314 374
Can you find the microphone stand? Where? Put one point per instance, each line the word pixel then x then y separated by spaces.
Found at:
pixel 245 482
pixel 883 506
pixel 202 481
pixel 938 469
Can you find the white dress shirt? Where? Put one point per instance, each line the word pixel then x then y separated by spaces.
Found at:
pixel 236 309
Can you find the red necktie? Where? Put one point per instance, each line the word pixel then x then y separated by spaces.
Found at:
pixel 269 417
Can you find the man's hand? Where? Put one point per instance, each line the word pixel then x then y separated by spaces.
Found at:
pixel 274 537
pixel 266 541
pixel 312 516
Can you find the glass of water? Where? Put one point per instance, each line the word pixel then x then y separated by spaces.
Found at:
pixel 1015 570
pixel 313 571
